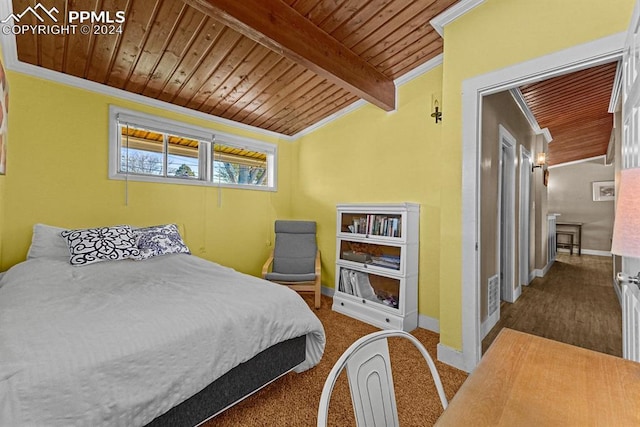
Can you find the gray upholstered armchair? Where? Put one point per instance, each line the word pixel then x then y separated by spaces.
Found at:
pixel 295 259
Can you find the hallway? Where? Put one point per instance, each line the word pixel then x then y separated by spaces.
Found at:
pixel 574 303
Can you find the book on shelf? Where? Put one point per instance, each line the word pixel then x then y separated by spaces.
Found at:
pixel 362 286
pixel 377 225
pixel 356 256
pixel 358 284
pixel 345 282
pixel 387 261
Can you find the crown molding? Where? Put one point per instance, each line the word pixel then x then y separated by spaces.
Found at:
pixel 335 116
pixel 418 71
pixel 576 162
pixel 517 96
pixel 405 78
pixel 454 12
pixel 12 63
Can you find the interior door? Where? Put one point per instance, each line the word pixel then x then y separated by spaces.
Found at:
pixel 631 159
pixel 507 214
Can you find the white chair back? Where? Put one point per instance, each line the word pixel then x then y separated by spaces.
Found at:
pixel 371 381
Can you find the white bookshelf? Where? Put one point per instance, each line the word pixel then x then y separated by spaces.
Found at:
pixel 377 264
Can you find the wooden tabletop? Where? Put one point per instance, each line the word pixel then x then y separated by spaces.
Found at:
pixel 524 380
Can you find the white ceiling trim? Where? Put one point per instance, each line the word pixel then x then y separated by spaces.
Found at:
pixel 418 71
pixel 406 78
pixel 517 96
pixel 12 63
pixel 77 82
pixel 575 162
pixel 454 12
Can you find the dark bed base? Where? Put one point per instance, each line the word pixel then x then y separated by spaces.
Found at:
pixel 236 384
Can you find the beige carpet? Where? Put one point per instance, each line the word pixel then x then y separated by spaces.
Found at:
pixel 293 400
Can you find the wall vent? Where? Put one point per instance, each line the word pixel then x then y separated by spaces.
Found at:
pixel 493 301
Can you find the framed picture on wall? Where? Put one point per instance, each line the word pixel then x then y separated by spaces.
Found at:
pixel 603 191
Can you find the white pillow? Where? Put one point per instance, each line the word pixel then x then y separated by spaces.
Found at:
pixel 47 242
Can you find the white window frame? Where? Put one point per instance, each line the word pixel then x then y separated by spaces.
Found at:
pixel 205 136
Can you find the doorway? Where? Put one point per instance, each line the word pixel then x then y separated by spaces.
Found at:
pixel 576 58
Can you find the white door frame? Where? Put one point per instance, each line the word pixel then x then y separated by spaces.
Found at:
pixel 507 144
pixel 579 57
pixel 525 216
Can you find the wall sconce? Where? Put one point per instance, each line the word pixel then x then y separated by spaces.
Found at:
pixel 437 114
pixel 626 228
pixel 541 160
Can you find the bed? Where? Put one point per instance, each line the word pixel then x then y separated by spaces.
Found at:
pixel 170 340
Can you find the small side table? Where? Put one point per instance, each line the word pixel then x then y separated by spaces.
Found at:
pixel 571 227
pixel 565 245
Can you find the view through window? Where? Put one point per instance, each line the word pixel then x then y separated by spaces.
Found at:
pixel 160 153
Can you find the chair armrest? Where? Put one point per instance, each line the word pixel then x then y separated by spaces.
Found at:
pixel 267 265
pixel 318 266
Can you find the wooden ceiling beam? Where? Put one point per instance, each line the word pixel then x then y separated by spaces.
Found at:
pixel 279 27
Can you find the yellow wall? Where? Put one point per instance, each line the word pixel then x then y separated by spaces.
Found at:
pixel 58 150
pixel 58 168
pixel 2 177
pixel 494 35
pixel 373 156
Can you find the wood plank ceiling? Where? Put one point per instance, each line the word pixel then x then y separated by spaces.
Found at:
pixel 574 107
pixel 174 52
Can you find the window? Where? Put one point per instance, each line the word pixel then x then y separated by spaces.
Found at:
pixel 232 165
pixel 148 148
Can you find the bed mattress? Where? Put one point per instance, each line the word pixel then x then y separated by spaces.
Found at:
pixel 119 343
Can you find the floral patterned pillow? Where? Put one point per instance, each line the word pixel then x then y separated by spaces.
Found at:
pixel 90 245
pixel 160 240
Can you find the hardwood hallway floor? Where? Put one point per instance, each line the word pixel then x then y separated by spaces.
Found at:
pixel 574 303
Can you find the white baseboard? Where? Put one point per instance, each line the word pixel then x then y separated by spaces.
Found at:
pixel 488 324
pixel 451 357
pixel 445 354
pixel 429 323
pixel 587 252
pixel 596 252
pixel 545 270
pixel 516 293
